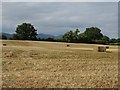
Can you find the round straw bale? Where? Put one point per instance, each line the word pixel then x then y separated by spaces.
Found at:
pixel 100 48
pixel 107 47
pixel 4 44
pixel 68 45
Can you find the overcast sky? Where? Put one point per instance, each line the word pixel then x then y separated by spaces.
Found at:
pixel 60 17
pixel 60 0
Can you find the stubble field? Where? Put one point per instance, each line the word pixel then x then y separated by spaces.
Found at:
pixel 40 64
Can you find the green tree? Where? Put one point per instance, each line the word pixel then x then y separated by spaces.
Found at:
pixel 68 37
pixel 76 34
pixel 93 33
pixel 113 40
pixel 71 36
pixel 25 31
pixel 83 38
pixel 105 39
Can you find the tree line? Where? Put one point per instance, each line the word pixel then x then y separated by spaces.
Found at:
pixel 26 31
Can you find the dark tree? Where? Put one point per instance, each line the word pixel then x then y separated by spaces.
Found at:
pixel 83 38
pixel 76 34
pixel 93 33
pixel 113 40
pixel 25 31
pixel 3 36
pixel 50 39
pixel 118 40
pixel 105 39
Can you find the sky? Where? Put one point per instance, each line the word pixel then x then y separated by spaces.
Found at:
pixel 56 18
pixel 59 0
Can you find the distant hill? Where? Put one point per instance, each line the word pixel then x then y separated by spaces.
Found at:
pixel 7 35
pixel 41 35
pixel 58 37
pixel 45 36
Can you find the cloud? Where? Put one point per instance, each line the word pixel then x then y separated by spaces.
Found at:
pixel 60 0
pixel 59 17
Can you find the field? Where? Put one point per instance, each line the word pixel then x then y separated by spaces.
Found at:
pixel 54 65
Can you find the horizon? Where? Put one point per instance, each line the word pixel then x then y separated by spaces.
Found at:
pixel 57 18
pixel 54 35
